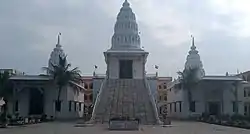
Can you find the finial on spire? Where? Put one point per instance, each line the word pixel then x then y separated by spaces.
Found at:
pixel 126 3
pixel 58 38
pixel 193 46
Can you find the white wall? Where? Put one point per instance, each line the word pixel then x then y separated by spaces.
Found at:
pixel 77 96
pixel 246 99
pixel 68 94
pixel 113 67
pixel 174 96
pixel 203 93
pixel 50 95
pixel 97 82
pixel 153 87
pixel 23 101
pixel 138 71
pixel 138 65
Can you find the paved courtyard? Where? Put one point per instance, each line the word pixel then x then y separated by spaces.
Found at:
pixel 176 128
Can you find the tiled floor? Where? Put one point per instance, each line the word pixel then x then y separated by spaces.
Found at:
pixel 176 128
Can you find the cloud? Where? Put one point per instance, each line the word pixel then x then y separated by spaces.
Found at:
pixel 28 31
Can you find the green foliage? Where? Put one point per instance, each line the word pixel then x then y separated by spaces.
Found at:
pixel 5 92
pixel 5 85
pixel 62 75
pixel 188 79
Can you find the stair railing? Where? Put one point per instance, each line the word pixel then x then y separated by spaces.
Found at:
pixel 97 101
pixel 155 109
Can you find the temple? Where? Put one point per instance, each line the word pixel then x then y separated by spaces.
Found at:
pixel 35 95
pixel 212 95
pixel 125 91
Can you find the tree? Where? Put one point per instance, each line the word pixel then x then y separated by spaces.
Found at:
pixel 188 79
pixel 5 93
pixel 62 76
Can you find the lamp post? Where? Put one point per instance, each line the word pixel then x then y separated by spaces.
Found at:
pixel 95 67
pixel 156 67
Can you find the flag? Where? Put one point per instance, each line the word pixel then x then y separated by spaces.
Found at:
pixel 156 67
pixel 96 66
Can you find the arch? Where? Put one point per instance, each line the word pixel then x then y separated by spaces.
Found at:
pixel 133 39
pixel 91 85
pixel 85 97
pixel 160 98
pixel 165 98
pixel 85 85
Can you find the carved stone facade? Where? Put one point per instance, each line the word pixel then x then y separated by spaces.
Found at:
pixel 194 61
pixel 54 56
pixel 126 34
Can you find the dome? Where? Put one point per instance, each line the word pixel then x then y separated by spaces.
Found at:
pixel 126 34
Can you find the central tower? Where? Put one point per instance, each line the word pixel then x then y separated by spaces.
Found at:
pixel 125 59
pixel 125 91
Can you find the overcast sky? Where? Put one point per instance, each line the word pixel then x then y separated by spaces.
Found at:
pixel 29 28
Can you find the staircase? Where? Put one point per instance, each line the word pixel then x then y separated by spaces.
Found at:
pixel 124 97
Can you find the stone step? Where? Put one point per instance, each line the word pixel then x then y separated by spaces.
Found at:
pixel 125 98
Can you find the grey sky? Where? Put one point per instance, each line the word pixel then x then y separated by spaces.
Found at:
pixel 28 31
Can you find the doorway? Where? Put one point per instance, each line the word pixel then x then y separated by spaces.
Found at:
pixel 214 108
pixel 36 101
pixel 126 69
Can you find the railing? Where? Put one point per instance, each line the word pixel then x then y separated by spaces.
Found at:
pixel 153 102
pixel 100 75
pixel 151 76
pixel 97 101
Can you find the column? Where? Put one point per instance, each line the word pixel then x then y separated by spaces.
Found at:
pixel 107 72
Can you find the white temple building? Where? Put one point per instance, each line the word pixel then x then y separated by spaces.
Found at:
pixel 35 95
pixel 125 91
pixel 214 95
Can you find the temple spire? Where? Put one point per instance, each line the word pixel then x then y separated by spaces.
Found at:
pixel 193 59
pixel 54 55
pixel 126 35
pixel 58 39
pixel 193 47
pixel 126 3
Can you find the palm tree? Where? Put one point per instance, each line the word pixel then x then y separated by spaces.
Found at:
pixel 5 93
pixel 62 76
pixel 188 79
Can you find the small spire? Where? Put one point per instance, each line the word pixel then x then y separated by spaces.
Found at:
pixel 126 3
pixel 58 39
pixel 193 47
